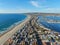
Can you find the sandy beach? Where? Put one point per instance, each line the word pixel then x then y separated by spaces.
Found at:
pixel 7 35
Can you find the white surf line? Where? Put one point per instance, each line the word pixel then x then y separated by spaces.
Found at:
pixel 6 36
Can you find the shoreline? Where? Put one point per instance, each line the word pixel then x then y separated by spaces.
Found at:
pixel 7 35
pixel 17 27
pixel 47 28
pixel 42 26
pixel 12 26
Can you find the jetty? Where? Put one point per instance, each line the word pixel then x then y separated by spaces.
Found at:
pixel 29 32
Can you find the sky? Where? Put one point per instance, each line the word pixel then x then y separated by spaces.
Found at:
pixel 24 6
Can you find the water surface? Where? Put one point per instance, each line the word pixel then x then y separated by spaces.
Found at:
pixel 6 20
pixel 52 26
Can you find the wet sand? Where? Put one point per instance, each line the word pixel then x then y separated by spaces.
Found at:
pixel 8 34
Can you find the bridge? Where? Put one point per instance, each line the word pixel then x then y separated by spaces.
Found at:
pixel 9 34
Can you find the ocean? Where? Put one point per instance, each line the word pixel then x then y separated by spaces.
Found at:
pixel 9 20
pixel 52 26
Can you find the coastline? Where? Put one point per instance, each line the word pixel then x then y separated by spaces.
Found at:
pixel 42 26
pixel 12 26
pixel 4 37
pixel 17 27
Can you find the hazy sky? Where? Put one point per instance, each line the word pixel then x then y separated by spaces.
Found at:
pixel 21 6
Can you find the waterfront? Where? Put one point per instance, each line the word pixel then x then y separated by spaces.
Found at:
pixel 51 25
pixel 29 22
pixel 30 32
pixel 33 34
pixel 8 21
